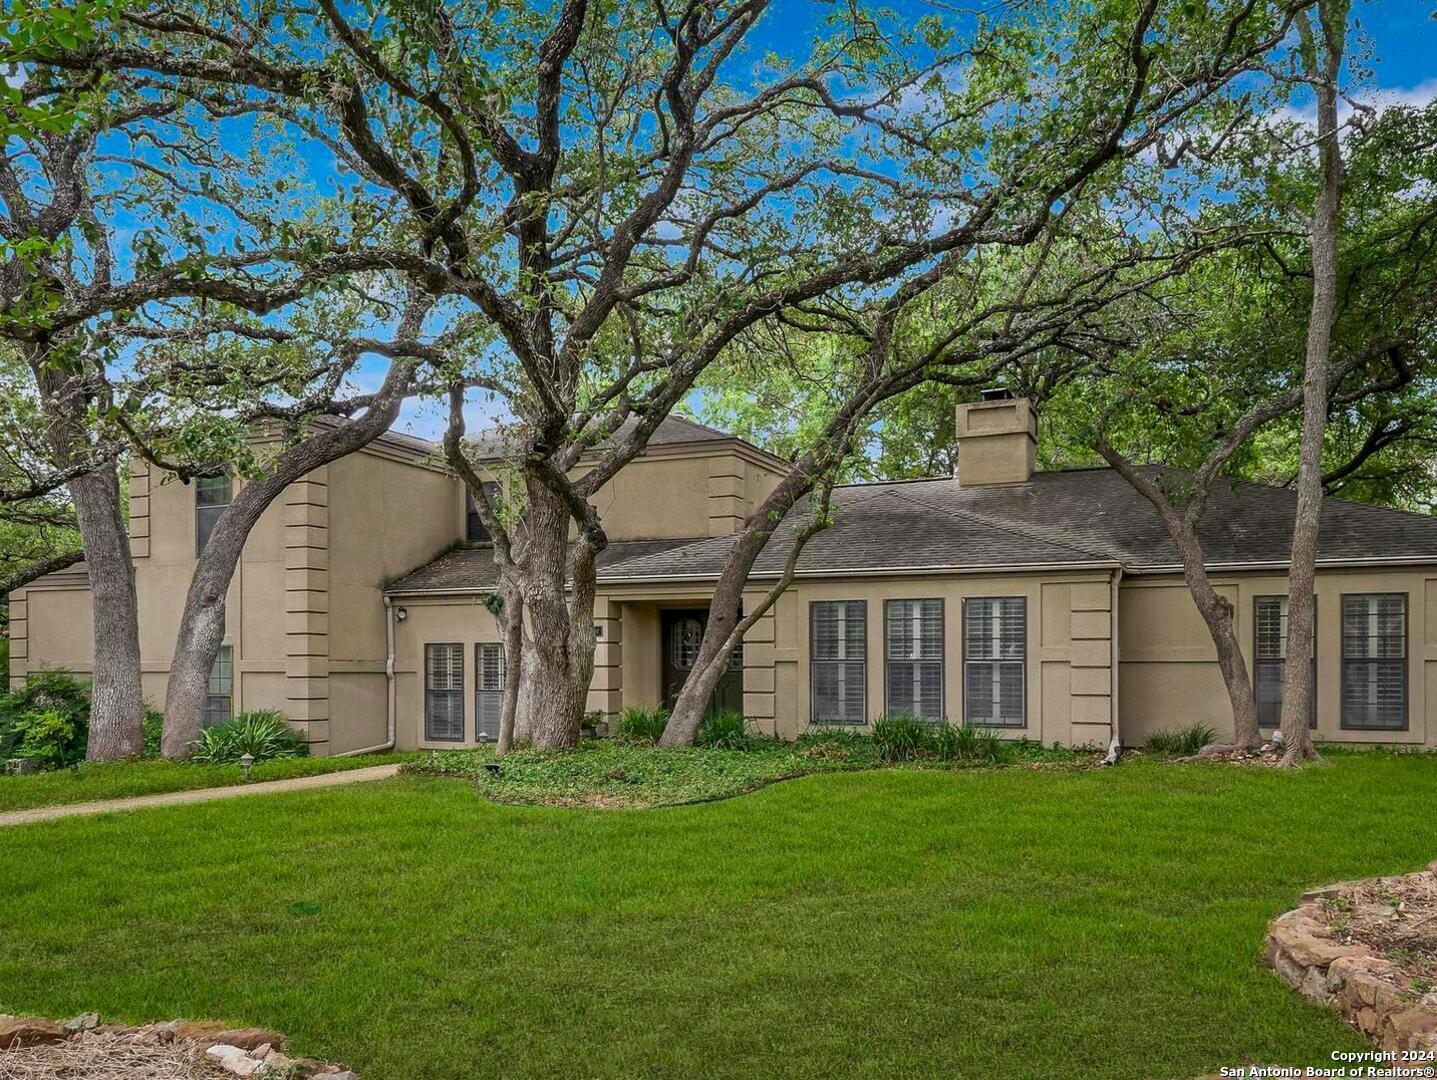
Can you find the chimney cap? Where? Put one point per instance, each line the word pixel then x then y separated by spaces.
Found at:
pixel 995 393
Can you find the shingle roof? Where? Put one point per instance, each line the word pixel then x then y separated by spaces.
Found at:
pixel 671 430
pixel 1071 517
pixel 472 569
pixel 1077 517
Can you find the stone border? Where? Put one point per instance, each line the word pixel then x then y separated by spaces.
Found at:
pixel 1371 992
pixel 255 1052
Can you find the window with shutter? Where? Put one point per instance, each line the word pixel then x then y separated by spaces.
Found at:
pixel 839 661
pixel 995 653
pixel 212 496
pixel 1269 636
pixel 488 689
pixel 913 658
pixel 1374 661
pixel 219 698
pixel 444 692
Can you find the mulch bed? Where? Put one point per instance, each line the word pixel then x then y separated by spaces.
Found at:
pixel 1395 916
pixel 110 1057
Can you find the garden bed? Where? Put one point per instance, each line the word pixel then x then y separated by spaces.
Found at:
pixel 81 1048
pixel 609 774
pixel 1368 948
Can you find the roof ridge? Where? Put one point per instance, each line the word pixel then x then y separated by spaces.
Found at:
pixel 1007 527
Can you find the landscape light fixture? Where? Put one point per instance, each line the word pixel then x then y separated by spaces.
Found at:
pixel 246 760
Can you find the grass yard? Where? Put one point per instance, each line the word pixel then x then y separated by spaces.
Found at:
pixel 122 779
pixel 987 924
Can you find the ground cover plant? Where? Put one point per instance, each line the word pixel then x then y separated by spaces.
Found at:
pixel 95 781
pixel 731 759
pixel 1074 924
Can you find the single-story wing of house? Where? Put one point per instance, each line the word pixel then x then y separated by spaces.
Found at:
pixel 1049 605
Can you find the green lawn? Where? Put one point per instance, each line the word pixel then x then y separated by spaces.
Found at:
pixel 988 923
pixel 121 779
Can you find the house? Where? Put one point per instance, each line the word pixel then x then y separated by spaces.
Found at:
pixel 1048 604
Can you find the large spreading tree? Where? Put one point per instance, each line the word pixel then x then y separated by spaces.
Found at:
pixel 613 194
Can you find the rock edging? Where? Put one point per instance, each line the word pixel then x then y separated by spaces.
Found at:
pixel 1395 1011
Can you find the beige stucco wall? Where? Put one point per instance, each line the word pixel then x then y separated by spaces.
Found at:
pixel 434 620
pixel 678 492
pixel 1169 675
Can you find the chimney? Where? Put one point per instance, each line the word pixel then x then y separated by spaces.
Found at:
pixel 997 440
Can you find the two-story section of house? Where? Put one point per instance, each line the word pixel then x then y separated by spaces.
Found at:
pixel 1047 605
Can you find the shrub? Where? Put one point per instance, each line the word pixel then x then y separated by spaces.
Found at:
pixel 724 729
pixel 1183 742
pixel 637 725
pixel 903 737
pixel 264 733
pixel 47 720
pixel 969 743
pixel 154 725
pixel 842 743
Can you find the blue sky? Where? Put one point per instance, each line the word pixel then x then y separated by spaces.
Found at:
pixel 1401 37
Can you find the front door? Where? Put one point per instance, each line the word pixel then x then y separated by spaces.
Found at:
pixel 683 632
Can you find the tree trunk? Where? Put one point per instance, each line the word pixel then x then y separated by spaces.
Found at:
pixel 512 623
pixel 202 625
pixel 726 627
pixel 558 656
pixel 117 704
pixel 1301 603
pixel 1216 611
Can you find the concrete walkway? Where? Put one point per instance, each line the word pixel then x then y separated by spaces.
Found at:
pixel 198 795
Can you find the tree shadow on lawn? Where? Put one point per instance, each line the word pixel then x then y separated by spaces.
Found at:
pixel 985 924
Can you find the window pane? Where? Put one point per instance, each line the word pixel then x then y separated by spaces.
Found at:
pixel 1374 666
pixel 1270 649
pixel 995 644
pixel 914 669
pixel 212 491
pixel 217 710
pixel 475 531
pixel 222 672
pixel 444 691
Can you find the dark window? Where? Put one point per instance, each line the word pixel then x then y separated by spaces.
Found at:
pixel 914 658
pixel 212 495
pixel 1374 661
pixel 219 701
pixel 1269 635
pixel 474 530
pixel 488 689
pixel 995 652
pixel 444 692
pixel 839 667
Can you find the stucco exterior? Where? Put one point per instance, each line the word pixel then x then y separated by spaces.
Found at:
pixel 320 594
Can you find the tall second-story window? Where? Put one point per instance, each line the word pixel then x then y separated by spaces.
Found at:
pixel 474 530
pixel 212 495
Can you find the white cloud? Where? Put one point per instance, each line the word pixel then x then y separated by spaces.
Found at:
pixel 1377 99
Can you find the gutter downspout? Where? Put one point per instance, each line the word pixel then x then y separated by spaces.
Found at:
pixel 1115 748
pixel 390 697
